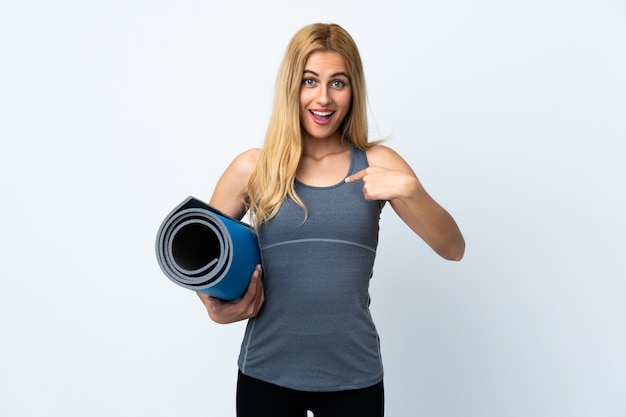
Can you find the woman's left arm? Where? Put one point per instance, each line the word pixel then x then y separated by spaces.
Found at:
pixel 390 178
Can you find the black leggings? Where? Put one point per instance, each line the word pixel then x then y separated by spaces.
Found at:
pixel 256 398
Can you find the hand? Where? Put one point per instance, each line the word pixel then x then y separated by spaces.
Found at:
pixel 385 184
pixel 248 306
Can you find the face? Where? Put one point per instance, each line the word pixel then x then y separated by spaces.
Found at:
pixel 325 95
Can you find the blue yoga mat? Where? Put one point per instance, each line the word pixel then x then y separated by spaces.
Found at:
pixel 204 250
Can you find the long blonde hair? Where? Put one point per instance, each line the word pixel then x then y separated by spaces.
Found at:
pixel 273 179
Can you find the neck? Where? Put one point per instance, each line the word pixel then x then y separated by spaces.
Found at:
pixel 320 148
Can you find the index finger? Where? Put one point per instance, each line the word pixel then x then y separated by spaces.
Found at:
pixel 356 176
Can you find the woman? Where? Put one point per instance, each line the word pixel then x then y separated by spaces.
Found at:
pixel 314 192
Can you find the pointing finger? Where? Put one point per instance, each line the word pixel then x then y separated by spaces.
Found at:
pixel 357 176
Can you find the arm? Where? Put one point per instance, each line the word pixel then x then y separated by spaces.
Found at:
pixel 390 178
pixel 228 198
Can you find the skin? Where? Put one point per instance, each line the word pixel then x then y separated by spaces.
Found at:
pixel 325 98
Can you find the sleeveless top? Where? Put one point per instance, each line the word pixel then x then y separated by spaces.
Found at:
pixel 314 331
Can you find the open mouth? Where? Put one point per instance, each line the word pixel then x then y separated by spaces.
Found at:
pixel 321 116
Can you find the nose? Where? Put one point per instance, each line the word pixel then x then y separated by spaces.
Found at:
pixel 323 96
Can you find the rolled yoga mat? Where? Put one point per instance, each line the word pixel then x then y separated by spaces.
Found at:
pixel 204 250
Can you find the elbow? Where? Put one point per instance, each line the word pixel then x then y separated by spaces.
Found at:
pixel 454 251
pixel 457 256
pixel 460 251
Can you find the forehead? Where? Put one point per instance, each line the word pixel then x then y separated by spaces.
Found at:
pixel 325 63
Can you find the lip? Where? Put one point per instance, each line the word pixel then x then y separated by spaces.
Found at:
pixel 322 116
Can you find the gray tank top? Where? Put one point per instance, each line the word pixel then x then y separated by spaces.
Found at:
pixel 315 331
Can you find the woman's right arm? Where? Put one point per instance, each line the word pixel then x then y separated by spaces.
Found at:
pixel 224 312
pixel 228 198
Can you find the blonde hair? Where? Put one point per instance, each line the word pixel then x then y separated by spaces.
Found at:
pixel 273 179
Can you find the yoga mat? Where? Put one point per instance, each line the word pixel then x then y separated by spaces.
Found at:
pixel 204 250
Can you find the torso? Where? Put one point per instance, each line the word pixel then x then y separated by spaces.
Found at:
pixel 315 331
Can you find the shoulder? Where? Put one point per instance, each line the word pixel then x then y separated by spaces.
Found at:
pixel 247 160
pixel 383 156
pixel 238 173
pixel 232 185
pixel 243 164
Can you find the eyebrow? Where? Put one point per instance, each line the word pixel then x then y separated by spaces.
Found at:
pixel 332 76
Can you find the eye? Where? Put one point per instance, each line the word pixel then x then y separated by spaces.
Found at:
pixel 337 84
pixel 308 82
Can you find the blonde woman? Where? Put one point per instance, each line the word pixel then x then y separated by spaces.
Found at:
pixel 314 192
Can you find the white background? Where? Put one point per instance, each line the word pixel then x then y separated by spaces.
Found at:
pixel 512 113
